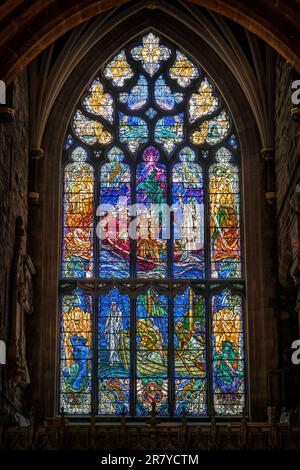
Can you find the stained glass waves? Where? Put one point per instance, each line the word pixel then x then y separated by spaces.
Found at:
pixel 133 131
pixel 169 131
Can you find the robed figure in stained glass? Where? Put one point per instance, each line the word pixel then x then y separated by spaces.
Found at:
pixel 113 328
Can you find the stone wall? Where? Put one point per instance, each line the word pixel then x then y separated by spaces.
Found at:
pixel 13 190
pixel 287 144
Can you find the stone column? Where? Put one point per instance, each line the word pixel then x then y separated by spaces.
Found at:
pixel 295 244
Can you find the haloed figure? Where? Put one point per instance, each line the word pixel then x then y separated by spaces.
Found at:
pixel 112 332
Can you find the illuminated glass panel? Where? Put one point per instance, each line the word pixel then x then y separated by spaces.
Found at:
pixel 212 131
pixel 188 204
pixel 115 198
pixel 228 354
pixel 77 250
pixel 151 53
pixel 190 354
pixel 151 189
pixel 203 102
pixel 137 97
pixel 151 113
pixel 152 353
pixel 164 96
pixel 113 354
pixel 183 70
pixel 89 131
pixel 118 70
pixel 232 141
pixel 133 131
pixel 76 353
pixel 69 141
pixel 224 217
pixel 169 132
pixel 98 102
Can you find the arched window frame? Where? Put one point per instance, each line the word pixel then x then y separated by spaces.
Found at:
pixel 170 287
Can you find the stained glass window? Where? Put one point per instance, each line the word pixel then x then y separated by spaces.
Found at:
pixel 152 353
pixel 152 276
pixel 224 212
pixel 190 354
pixel 188 199
pixel 151 260
pixel 114 353
pixel 78 201
pixel 76 353
pixel 228 354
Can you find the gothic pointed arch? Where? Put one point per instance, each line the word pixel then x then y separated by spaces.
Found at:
pixel 152 129
pixel 72 98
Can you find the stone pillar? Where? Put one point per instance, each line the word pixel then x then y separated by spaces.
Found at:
pixel 295 107
pixel 295 244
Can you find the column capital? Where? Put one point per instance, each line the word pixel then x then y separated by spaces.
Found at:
pixel 34 197
pixel 295 113
pixel 268 153
pixel 36 153
pixel 7 114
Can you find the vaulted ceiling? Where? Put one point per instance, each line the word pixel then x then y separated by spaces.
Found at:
pixel 30 26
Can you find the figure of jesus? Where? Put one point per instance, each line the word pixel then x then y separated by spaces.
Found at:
pixel 112 332
pixel 190 227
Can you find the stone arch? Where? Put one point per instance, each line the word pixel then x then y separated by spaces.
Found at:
pixel 46 220
pixel 28 30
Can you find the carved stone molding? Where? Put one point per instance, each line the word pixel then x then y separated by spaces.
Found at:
pixel 295 113
pixel 7 114
pixel 295 245
pixel 21 304
pixel 295 273
pixel 36 153
pixel 152 4
pixel 56 434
